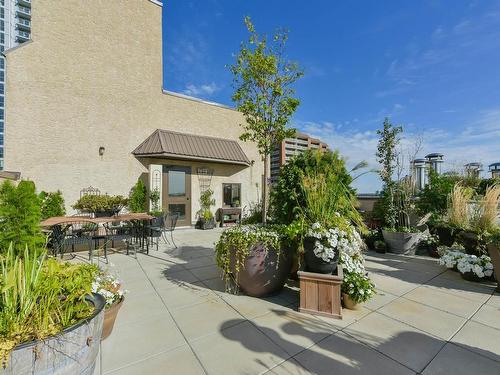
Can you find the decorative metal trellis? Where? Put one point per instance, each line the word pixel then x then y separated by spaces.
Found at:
pixel 205 178
pixel 89 191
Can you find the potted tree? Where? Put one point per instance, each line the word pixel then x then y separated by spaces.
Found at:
pixel 206 218
pixel 398 233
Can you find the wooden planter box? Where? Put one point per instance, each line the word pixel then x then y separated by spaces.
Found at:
pixel 320 293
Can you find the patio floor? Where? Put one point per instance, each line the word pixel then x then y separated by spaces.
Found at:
pixel 177 319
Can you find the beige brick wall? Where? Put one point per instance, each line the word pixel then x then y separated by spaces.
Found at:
pixel 91 77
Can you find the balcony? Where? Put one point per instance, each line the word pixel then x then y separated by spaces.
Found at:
pixel 22 36
pixel 23 23
pixel 23 12
pixel 25 3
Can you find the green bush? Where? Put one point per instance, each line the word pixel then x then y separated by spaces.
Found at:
pixel 100 203
pixel 20 217
pixel 434 197
pixel 288 195
pixel 51 204
pixel 138 198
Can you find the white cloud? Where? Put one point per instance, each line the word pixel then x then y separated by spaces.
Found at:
pixel 476 141
pixel 201 90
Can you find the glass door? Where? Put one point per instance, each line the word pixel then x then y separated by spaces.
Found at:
pixel 177 193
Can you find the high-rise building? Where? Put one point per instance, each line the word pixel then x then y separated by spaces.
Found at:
pixel 15 28
pixel 473 169
pixel 495 170
pixel 290 147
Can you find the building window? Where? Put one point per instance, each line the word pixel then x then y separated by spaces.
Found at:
pixel 231 195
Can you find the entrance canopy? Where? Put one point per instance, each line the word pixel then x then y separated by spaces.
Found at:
pixel 182 146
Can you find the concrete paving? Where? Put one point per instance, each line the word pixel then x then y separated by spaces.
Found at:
pixel 177 319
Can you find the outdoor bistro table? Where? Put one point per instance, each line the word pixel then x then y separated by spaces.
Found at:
pixel 138 219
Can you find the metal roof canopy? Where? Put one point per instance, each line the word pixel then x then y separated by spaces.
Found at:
pixel 182 146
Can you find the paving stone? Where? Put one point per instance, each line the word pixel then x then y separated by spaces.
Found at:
pixel 481 339
pixel 396 340
pixel 293 331
pixel 456 360
pixel 186 295
pixel 240 349
pixel 489 315
pixel 379 299
pixel 444 301
pixel 176 361
pixel 204 318
pixel 342 354
pixel 436 322
pixel 133 342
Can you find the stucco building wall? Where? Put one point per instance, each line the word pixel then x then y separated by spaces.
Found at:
pixel 92 77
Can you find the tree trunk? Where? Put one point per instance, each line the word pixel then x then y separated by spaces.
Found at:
pixel 265 189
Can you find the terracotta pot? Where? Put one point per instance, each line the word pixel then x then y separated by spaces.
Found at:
pixel 110 317
pixel 315 264
pixel 494 252
pixel 263 272
pixel 349 303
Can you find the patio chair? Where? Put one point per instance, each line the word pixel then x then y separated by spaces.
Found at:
pixel 122 232
pixel 160 228
pixel 154 231
pixel 169 224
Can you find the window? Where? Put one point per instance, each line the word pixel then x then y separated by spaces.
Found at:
pixel 231 195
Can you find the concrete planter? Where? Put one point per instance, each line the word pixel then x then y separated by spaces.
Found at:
pixel 263 272
pixel 494 252
pixel 73 351
pixel 402 242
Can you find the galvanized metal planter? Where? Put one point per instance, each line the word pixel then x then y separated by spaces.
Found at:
pixel 402 242
pixel 72 352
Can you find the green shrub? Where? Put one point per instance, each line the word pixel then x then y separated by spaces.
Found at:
pixel 138 197
pixel 51 204
pixel 434 197
pixel 100 203
pixel 20 217
pixel 288 195
pixel 254 214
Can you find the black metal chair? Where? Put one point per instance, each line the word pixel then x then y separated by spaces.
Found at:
pixel 169 224
pixel 159 229
pixel 126 232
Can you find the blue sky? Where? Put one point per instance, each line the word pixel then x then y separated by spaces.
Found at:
pixel 432 66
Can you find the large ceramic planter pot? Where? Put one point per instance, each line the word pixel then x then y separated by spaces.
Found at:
pixel 349 303
pixel 494 252
pixel 446 235
pixel 402 242
pixel 264 272
pixel 73 351
pixel 110 315
pixel 315 264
